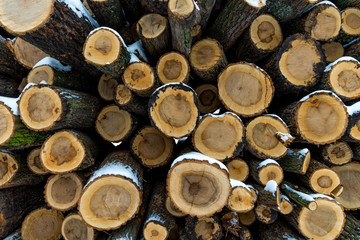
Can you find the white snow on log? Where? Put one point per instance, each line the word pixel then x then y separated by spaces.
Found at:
pixel 199 157
pixel 342 59
pixel 325 2
pixel 271 186
pixel 110 30
pixel 52 62
pixel 353 109
pixel 11 103
pixel 319 92
pixel 285 137
pixel 267 162
pixel 256 3
pixel 115 144
pixel 302 195
pixel 196 6
pixel 277 117
pixel 80 10
pixel 217 111
pixel 154 218
pixel 302 152
pixel 236 183
pixel 286 236
pixel 253 188
pixel 137 47
pixel 318 195
pixel 283 196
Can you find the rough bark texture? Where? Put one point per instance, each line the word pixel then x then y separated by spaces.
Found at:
pixel 133 104
pixel 279 230
pixel 8 65
pixel 132 9
pixel 108 13
pixel 353 49
pixel 8 87
pixel 155 6
pixel 342 4
pixel 206 7
pixel 351 229
pixel 294 161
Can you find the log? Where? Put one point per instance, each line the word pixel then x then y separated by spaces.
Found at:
pixel 296 161
pixel 69 150
pixel 352 49
pixel 155 6
pixel 108 13
pixel 106 87
pixel 300 198
pixel 260 39
pixel 203 190
pixel 132 9
pixel 105 49
pixel 151 147
pixel 285 206
pixel 326 222
pixel 233 19
pixel 241 199
pixel 269 195
pixel 207 59
pixel 15 204
pixel 63 109
pixel 318 118
pixel 34 162
pixel 183 17
pixel 245 89
pixel 337 153
pixel 265 214
pixel 114 124
pixel 297 66
pixel 267 136
pixel 342 4
pixel 154 32
pixel 238 169
pixel 170 207
pixel 351 229
pixel 208 98
pixel 352 133
pixel 203 228
pixel 53 24
pixel 173 109
pixel 248 218
pixel 279 230
pixel 42 223
pixel 264 171
pixel 233 228
pixel 333 51
pixel 173 67
pixel 355 147
pixel 159 223
pixel 125 99
pixel 219 136
pixel 73 227
pixel 350 28
pixel 8 87
pixel 112 195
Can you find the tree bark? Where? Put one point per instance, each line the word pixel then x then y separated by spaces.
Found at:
pixel 108 12
pixel 8 65
pixel 8 87
pixel 296 161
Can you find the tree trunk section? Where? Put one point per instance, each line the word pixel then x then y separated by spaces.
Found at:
pixel 125 99
pixel 204 228
pixel 296 161
pixel 108 12
pixel 8 64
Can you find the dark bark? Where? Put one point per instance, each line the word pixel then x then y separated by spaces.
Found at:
pixel 108 13
pixel 8 87
pixel 8 65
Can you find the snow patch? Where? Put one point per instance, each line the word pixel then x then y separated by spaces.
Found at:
pixel 302 195
pixel 267 162
pixel 53 63
pixel 134 48
pixel 256 3
pixel 286 236
pixel 271 186
pixel 80 10
pixel 319 92
pixel 318 195
pixel 353 109
pixel 342 59
pixel 236 183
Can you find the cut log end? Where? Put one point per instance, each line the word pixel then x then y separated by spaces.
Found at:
pixel 106 86
pixel 7 123
pixel 62 152
pixel 337 153
pixel 205 54
pixel 114 124
pixel 181 8
pixel 350 24
pixel 208 98
pixel 74 228
pixel 327 25
pixel 151 25
pixel 238 169
pixel 245 89
pixel 170 207
pixel 155 231
pixel 265 214
pixel 266 33
pixel 42 224
pixel 123 95
pixel 8 167
pixel 207 228
pixel 26 53
pixel 34 162
pixel 62 192
pixel 241 199
pixel 271 172
pixel 324 181
pixel 247 218
pixel 173 67
pixel 41 73
pixel 333 51
pixel 355 131
pixel 40 107
pixel 285 206
pixel 139 77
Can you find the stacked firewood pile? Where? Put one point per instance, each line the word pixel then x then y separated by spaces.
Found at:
pixel 179 119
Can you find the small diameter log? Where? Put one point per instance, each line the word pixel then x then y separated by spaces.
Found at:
pixel 233 228
pixel 173 67
pixel 320 178
pixel 106 50
pixel 300 198
pixel 208 98
pixel 326 222
pixel 125 99
pixel 155 6
pixel 318 118
pixel 285 206
pixel 173 109
pixel 270 195
pixel 140 78
pixel 198 185
pixel 209 228
pixel 267 136
pixel 40 30
pixel 69 150
pixel 264 171
pixel 42 224
pixel 8 87
pixel 62 192
pixel 248 218
pixel 297 66
pixel 34 162
pixel 351 229
pixel 182 18
pixel 265 214
pixel 234 17
pixel 114 124
pixel 279 230
pixel 350 25
pixel 219 136
pixel 333 51
pixel 296 161
pixel 113 193
pixel 349 175
pixel 106 87
pixel 15 204
pixel 207 59
pixel 342 4
pixel 46 107
pixel 263 37
pixel 108 12
pixel 14 172
pixel 73 227
pixel 245 89
pixel 170 207
pixel 337 153
pixel 159 223
pixel 238 169
pixel 152 147
pixel 154 32
pixel 240 199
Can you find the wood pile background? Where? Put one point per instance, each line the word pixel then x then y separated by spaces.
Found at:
pixel 179 119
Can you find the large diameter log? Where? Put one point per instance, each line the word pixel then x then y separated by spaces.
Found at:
pixel 112 196
pixel 297 65
pixel 219 136
pixel 267 136
pixel 326 222
pixel 238 169
pixel 45 31
pixel 198 185
pixel 319 118
pixel 209 228
pixel 337 153
pixel 73 227
pixel 108 12
pixel 45 107
pixel 34 162
pixel 173 67
pixel 105 49
pixel 208 98
pixel 333 51
pixel 245 89
pixel 8 87
pixel 232 20
pixel 296 161
pixel 173 109
pixel 279 230
pixel 241 199
pixel 42 224
pixel 127 100
pixel 264 171
pixel 15 204
pixel 298 197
